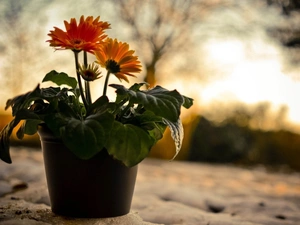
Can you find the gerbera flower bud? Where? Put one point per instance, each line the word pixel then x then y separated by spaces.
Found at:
pixel 90 73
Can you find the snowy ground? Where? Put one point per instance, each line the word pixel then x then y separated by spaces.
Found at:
pixel 166 193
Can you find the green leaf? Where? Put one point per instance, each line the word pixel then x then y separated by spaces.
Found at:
pixel 69 111
pixel 30 124
pixel 51 95
pixel 160 101
pixel 4 140
pixel 176 133
pixel 158 131
pixel 23 101
pixel 29 127
pixel 24 114
pixel 55 122
pixel 150 122
pixel 85 138
pixel 60 79
pixel 100 105
pixel 188 102
pixel 128 143
pixel 51 92
pixel 137 86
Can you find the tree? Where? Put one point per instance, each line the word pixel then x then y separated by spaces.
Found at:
pixel 287 6
pixel 162 28
pixel 287 32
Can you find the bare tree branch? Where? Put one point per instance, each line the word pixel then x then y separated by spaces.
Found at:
pixel 161 27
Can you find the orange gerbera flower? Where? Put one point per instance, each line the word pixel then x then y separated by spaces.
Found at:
pixel 118 59
pixel 86 36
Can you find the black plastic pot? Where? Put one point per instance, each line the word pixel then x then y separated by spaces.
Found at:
pixel 95 188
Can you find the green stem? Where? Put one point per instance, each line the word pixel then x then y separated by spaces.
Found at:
pixel 86 83
pixel 106 83
pixel 79 81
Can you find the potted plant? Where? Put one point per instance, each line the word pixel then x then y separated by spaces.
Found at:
pixel 92 148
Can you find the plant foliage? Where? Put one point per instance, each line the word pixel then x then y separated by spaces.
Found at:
pixel 126 128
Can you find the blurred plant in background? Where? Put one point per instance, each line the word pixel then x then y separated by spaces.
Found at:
pixel 245 136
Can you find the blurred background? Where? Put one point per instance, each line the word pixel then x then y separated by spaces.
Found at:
pixel 238 59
